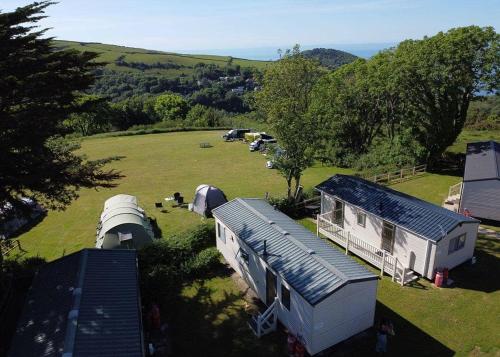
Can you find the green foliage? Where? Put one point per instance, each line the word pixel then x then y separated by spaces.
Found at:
pixel 38 90
pixel 171 107
pixel 417 94
pixel 329 57
pixel 168 264
pixel 441 75
pixel 202 116
pixel 285 99
pixel 94 115
pixel 484 113
pixel 386 155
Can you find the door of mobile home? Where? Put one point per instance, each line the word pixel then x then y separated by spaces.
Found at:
pixel 270 287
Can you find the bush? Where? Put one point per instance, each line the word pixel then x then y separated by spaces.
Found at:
pixel 166 265
pixel 207 260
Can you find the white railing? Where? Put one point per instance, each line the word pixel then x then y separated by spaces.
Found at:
pixel 386 262
pixel 398 175
pixel 268 320
pixel 455 190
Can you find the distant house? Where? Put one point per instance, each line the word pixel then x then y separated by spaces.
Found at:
pixel 312 288
pixel 394 231
pixel 478 194
pixel 84 304
pixel 123 224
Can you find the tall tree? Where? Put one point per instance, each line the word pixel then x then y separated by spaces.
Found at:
pixel 171 106
pixel 441 75
pixel 38 90
pixel 285 99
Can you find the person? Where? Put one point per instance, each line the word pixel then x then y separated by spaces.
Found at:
pixel 385 328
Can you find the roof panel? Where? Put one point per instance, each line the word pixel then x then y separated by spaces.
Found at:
pixel 314 276
pixel 483 161
pixel 421 217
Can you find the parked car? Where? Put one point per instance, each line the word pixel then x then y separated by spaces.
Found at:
pixel 259 143
pixel 235 134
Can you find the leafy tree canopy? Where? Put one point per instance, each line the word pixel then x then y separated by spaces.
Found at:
pixel 285 99
pixel 171 106
pixel 38 91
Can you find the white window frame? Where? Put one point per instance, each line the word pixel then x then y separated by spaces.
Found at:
pixel 457 243
pixel 283 286
pixel 361 214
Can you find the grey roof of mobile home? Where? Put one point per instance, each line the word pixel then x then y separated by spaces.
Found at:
pixel 483 161
pixel 84 304
pixel 311 266
pixel 421 217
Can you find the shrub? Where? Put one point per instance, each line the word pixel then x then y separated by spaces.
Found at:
pixel 207 260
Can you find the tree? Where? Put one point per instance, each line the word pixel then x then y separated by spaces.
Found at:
pixel 441 75
pixel 285 99
pixel 356 104
pixel 171 107
pixel 39 86
pixel 94 115
pixel 202 116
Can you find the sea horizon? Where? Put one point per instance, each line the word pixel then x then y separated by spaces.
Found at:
pixel 270 53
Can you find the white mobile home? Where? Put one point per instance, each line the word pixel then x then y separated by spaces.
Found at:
pixel 396 232
pixel 481 184
pixel 312 288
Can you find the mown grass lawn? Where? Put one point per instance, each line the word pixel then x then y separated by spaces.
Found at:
pixel 461 320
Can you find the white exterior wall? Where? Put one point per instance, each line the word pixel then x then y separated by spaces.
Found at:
pixel 482 199
pixel 445 260
pixel 409 248
pixel 345 313
pixel 299 320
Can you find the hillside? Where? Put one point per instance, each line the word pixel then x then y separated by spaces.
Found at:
pixel 168 64
pixel 330 57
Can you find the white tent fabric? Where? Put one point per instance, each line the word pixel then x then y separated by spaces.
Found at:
pixel 207 198
pixel 121 214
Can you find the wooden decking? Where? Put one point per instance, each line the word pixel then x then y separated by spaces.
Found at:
pixel 373 255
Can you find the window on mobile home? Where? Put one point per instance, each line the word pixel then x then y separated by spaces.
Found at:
pixel 361 219
pixel 285 297
pixel 456 243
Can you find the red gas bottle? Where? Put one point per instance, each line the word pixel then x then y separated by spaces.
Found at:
pixel 438 280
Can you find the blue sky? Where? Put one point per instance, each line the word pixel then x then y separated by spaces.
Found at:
pixel 186 25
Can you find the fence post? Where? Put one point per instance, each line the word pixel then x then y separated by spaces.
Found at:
pixel 395 269
pixel 388 177
pixel 414 170
pixel 347 243
pixel 403 277
pixel 317 225
pixel 383 263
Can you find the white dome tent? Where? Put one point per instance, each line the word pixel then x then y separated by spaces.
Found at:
pixel 123 224
pixel 207 198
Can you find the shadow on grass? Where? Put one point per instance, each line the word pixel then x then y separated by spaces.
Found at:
pixel 409 340
pixel 33 222
pixel 157 232
pixel 214 322
pixel 482 276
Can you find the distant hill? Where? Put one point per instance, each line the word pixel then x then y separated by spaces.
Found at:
pixel 168 64
pixel 329 57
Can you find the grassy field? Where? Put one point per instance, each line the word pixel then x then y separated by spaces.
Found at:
pixel 109 53
pixel 462 320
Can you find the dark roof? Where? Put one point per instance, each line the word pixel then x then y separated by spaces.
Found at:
pixel 483 161
pixel 421 217
pixel 100 284
pixel 311 266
